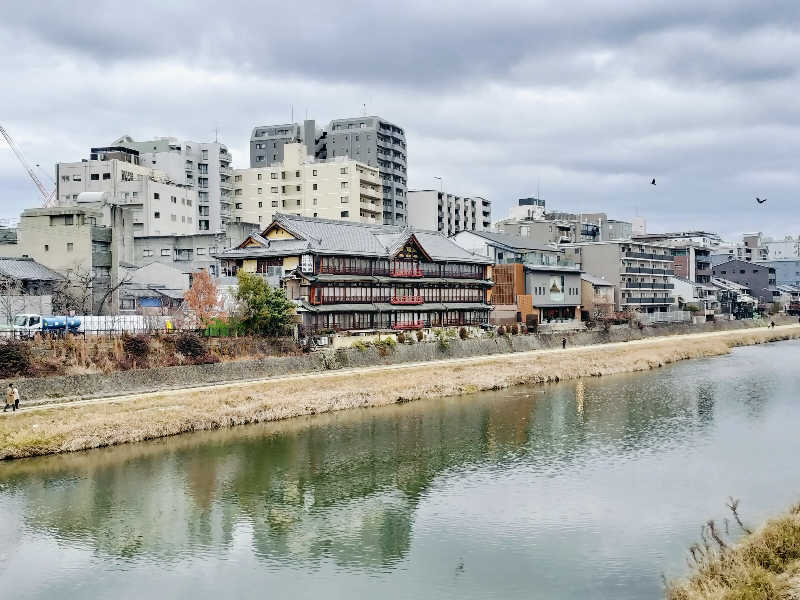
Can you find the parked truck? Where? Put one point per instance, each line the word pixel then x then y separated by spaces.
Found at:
pixel 27 325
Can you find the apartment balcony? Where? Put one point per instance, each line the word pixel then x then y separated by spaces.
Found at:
pixel 371 192
pixel 226 185
pixel 648 285
pixel 703 272
pixel 407 300
pixel 226 171
pixel 370 206
pixel 225 156
pixel 648 256
pixel 635 270
pixel 648 300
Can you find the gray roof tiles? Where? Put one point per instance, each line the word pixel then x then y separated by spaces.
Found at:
pixel 26 269
pixel 516 242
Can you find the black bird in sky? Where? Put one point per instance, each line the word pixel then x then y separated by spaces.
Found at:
pixel 653 182
pixel 760 201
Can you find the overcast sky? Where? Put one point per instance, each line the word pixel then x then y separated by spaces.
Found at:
pixel 587 100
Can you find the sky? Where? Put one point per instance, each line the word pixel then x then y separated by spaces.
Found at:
pixel 585 101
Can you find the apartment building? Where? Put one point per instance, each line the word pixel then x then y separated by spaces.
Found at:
pixel 358 276
pixel 528 209
pixel 204 167
pixel 448 213
pixel 159 205
pixel 788 248
pixel 372 141
pixel 787 270
pixel 338 188
pixel 640 272
pixel 760 279
pixel 752 248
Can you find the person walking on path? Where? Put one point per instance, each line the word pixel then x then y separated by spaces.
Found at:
pixel 564 343
pixel 9 399
pixel 772 324
pixel 16 397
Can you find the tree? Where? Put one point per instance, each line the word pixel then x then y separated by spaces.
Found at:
pixel 85 292
pixel 263 310
pixel 11 302
pixel 203 300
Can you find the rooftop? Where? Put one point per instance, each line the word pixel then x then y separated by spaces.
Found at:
pixel 515 242
pixel 594 280
pixel 26 269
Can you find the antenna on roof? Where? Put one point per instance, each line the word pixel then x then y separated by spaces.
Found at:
pixel 291 113
pixel 216 134
pixel 363 110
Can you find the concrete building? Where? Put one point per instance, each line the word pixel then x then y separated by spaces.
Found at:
pixel 785 249
pixel 372 140
pixel 335 188
pixel 503 248
pixel 364 277
pixel 116 176
pixel 26 287
pixel 693 263
pixel 787 270
pixel 193 252
pixel 640 272
pixel 567 228
pixel 734 299
pixel 759 279
pixel 8 241
pixel 86 243
pixel 681 239
pixel 204 167
pixel 448 213
pixel 527 209
pixel 691 295
pixel 154 288
pixel 597 296
pixel 752 248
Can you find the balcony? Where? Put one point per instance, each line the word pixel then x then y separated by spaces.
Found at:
pixel 648 285
pixel 647 270
pixel 226 171
pixel 407 300
pixel 409 325
pixel 647 256
pixel 225 156
pixel 370 206
pixel 649 300
pixel 405 272
pixel 226 185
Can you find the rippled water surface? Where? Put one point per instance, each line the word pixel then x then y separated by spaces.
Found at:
pixel 578 490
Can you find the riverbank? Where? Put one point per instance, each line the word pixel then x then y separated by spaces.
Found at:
pixel 764 564
pixel 91 424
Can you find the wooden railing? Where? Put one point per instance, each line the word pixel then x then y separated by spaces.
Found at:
pixel 409 325
pixel 407 300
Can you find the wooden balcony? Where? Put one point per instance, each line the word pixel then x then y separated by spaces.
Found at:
pixel 405 272
pixel 409 325
pixel 407 300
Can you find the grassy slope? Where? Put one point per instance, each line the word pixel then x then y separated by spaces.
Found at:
pixel 68 428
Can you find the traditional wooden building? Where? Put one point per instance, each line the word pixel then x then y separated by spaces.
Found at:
pixel 358 276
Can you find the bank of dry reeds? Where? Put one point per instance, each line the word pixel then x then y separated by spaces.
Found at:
pixel 764 565
pixel 79 426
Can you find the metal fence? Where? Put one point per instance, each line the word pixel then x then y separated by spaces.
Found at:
pixel 675 316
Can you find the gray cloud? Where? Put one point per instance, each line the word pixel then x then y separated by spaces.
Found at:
pixel 589 102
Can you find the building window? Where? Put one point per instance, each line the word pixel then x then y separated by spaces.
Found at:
pixel 76 178
pixel 106 175
pixel 173 199
pixel 166 252
pixel 156 215
pixel 275 203
pixel 298 202
pixel 283 189
pixel 94 177
pixel 274 189
pixel 314 172
pixel 201 251
pixel 344 185
pixel 307 263
pixel 345 213
pixel 239 204
pixel 238 178
pixel 147 252
pixel 260 190
pixel 155 196
pixel 298 188
pixel 315 201
pixel 343 170
pixel 173 218
pixel 297 173
pixel 259 176
pixel 70 246
pixel 344 199
pixel 273 175
pixel 260 204
pixel 47 248
pixel 314 186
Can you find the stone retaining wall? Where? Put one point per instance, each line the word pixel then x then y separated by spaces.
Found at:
pixel 73 387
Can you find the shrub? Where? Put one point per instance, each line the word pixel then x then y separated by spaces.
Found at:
pixel 420 336
pixel 190 345
pixel 462 333
pixel 264 310
pixel 401 338
pixel 514 330
pixel 136 346
pixel 501 330
pixel 15 359
pixel 360 345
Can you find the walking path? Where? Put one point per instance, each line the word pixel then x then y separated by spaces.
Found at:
pixel 444 363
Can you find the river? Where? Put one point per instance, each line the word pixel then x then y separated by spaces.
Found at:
pixel 590 489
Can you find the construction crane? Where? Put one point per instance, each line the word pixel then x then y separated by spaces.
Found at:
pixel 48 196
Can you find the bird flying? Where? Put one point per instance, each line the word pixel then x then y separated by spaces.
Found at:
pixel 760 200
pixel 653 182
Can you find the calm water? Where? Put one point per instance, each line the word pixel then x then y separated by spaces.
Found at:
pixel 588 490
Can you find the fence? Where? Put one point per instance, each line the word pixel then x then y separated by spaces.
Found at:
pixel 675 316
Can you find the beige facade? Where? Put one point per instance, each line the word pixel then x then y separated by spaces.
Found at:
pixel 341 189
pixel 159 207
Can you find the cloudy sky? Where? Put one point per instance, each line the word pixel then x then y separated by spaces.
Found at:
pixel 588 100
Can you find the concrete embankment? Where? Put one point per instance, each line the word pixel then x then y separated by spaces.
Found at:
pixel 95 423
pixel 94 385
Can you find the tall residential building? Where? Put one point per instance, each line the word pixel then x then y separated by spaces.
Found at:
pixel 448 213
pixel 566 228
pixel 373 141
pixel 115 175
pixel 640 272
pixel 338 188
pixel 202 166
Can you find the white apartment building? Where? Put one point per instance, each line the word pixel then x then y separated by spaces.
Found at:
pixel 203 166
pixel 158 205
pixel 338 188
pixel 448 213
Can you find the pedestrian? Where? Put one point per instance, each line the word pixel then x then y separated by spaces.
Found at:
pixel 564 343
pixel 9 398
pixel 772 324
pixel 16 397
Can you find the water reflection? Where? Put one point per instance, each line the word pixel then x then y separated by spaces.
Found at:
pixel 346 489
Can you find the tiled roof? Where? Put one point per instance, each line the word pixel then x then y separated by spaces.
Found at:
pixel 26 269
pixel 517 242
pixel 325 236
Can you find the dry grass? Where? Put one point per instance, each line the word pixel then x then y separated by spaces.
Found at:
pixel 764 565
pixel 148 416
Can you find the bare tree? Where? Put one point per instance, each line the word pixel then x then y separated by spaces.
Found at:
pixel 11 302
pixel 84 293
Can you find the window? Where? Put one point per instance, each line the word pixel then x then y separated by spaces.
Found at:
pixel 155 196
pixel 273 175
pixel 94 177
pixel 76 178
pixel 239 204
pixel 315 214
pixel 106 176
pixel 314 186
pixel 201 251
pixel 345 213
pixel 69 219
pixel 260 204
pixel 173 199
pixel 307 263
pixel 344 185
pixel 259 176
pixel 275 203
pixel 70 246
pixel 298 202
pixel 47 248
pixel 344 199
pixel 274 189
pixel 297 173
pixel 315 203
pixel 156 215
pixel 260 190
pixel 183 219
pixel 314 172
pixel 298 188
pixel 173 218
pixel 147 252
pixel 166 252
pixel 283 189
pixel 238 178
pixel 259 158
pixel 343 170
pixel 755 272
